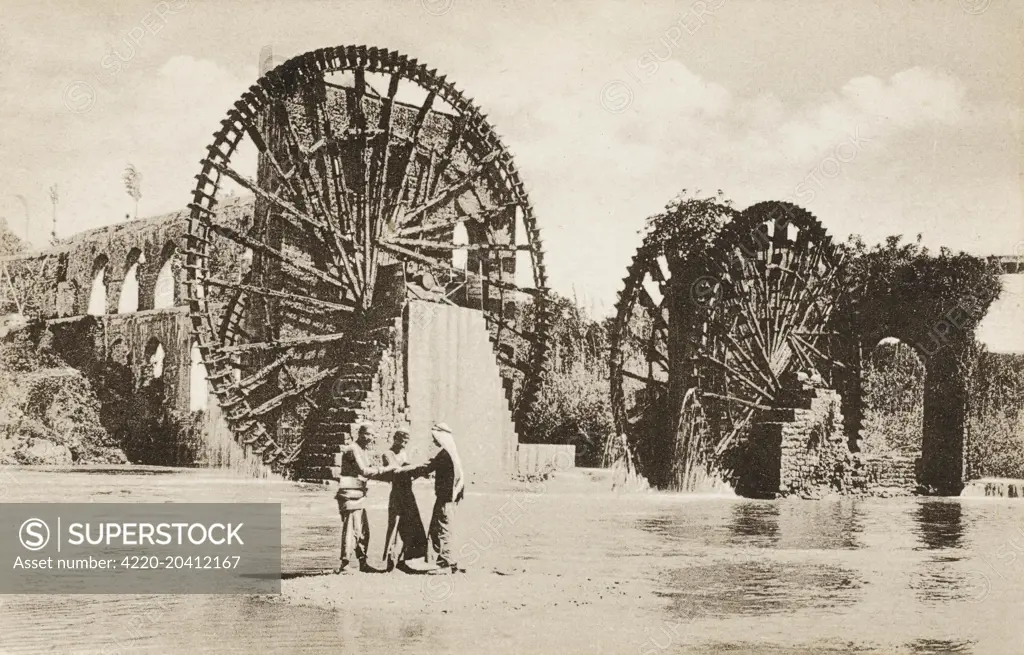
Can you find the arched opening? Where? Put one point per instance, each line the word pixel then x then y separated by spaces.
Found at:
pixel 163 291
pixel 894 381
pixel 98 289
pixel 154 360
pixel 149 432
pixel 197 391
pixel 460 237
pixel 117 394
pixel 128 300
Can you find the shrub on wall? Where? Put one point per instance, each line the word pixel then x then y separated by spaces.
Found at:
pixel 902 290
pixel 49 412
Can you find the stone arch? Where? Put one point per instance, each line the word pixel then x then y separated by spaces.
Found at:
pixel 96 304
pixel 148 433
pixel 165 293
pixel 941 340
pixel 128 299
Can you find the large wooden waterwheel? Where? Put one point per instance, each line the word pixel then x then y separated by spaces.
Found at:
pixel 371 175
pixel 707 336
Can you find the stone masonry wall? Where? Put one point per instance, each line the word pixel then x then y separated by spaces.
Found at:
pixel 385 404
pixel 888 475
pixel 800 449
pixel 90 343
pixel 814 453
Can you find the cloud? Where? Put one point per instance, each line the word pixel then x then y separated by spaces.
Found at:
pixel 684 131
pixel 162 124
pixel 673 90
pixel 910 98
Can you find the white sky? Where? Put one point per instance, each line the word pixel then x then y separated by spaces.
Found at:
pixel 752 101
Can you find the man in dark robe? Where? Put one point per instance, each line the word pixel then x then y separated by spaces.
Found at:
pixel 406 539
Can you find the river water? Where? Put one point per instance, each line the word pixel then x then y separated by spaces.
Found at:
pixel 578 570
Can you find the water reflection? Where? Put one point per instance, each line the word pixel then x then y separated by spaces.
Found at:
pixel 795 525
pixel 939 524
pixel 940 529
pixel 754 524
pixel 757 588
pixel 833 525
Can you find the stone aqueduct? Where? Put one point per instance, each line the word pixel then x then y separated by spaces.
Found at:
pixel 117 293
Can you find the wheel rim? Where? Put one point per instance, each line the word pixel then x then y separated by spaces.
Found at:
pixel 642 323
pixel 723 324
pixel 771 290
pixel 352 182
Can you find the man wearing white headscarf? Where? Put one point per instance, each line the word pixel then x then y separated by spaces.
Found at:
pixel 449 486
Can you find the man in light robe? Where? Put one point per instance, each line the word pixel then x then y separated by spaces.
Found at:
pixel 449 487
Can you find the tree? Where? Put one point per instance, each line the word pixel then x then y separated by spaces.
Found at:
pixel 10 243
pixel 54 200
pixel 133 185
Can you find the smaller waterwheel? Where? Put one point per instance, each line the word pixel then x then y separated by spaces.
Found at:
pixel 715 333
pixel 375 180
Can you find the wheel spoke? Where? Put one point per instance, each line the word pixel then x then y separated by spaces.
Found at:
pixel 272 293
pixel 642 378
pixel 301 389
pixel 444 245
pixel 332 174
pixel 482 217
pixel 734 399
pixel 654 310
pixel 817 352
pixel 737 428
pixel 287 177
pixel 452 189
pixel 410 155
pixel 261 376
pixel 738 375
pixel 283 344
pixel 269 196
pixel 504 325
pixel 289 262
pixel 312 199
pixel 448 156
pixel 379 174
pixel 436 263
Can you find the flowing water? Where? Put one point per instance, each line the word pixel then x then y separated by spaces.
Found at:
pixel 576 569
